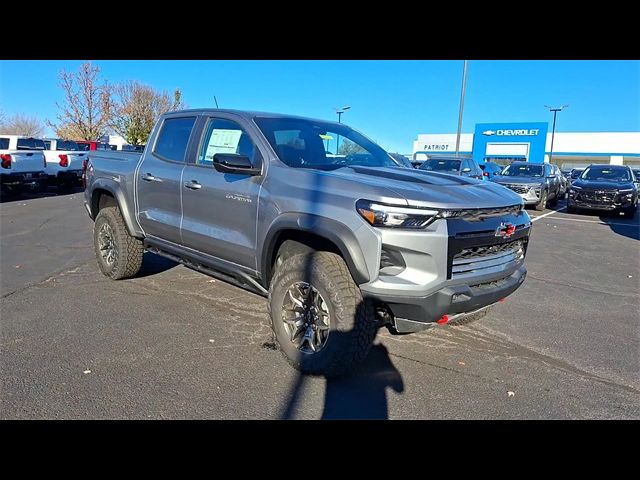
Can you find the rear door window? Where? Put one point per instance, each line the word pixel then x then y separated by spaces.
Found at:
pixel 4 144
pixel 173 138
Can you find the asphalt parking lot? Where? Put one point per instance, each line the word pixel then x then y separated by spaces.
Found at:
pixel 174 343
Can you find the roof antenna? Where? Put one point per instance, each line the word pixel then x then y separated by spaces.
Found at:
pixel 216 100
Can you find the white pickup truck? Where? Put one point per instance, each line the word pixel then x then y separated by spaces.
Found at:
pixel 64 163
pixel 22 164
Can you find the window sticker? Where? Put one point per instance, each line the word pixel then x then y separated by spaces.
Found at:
pixel 222 141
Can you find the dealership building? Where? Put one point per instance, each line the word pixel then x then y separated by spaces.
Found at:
pixel 503 143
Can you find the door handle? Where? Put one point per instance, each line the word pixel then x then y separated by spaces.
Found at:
pixel 147 177
pixel 193 185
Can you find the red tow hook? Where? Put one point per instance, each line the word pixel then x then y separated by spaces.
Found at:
pixel 502 300
pixel 444 319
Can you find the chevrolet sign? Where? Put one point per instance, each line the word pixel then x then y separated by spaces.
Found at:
pixel 488 132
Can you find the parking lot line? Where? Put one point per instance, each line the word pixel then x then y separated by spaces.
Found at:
pixel 598 222
pixel 547 214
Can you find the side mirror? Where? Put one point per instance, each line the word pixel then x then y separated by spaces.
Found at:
pixel 466 170
pixel 234 163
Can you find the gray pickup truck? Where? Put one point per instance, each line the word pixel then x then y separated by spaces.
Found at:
pixel 341 243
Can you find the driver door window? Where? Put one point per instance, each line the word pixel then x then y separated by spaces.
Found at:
pixel 225 136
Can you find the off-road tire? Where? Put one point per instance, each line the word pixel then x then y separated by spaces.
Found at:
pixel 130 249
pixel 470 318
pixel 554 202
pixel 542 204
pixel 352 322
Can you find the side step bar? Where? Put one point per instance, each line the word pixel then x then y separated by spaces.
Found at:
pixel 238 279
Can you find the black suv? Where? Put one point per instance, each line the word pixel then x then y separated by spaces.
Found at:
pixel 610 188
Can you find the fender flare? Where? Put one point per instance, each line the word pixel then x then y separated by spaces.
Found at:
pixel 334 231
pixel 126 210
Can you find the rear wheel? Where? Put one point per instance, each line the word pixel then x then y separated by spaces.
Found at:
pixel 542 204
pixel 320 321
pixel 119 254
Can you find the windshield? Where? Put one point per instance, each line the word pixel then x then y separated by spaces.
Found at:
pixel 302 143
pixel 69 145
pixel 606 174
pixel 441 165
pixel 523 170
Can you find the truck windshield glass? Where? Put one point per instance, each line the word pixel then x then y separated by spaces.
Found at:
pixel 302 143
pixel 441 165
pixel 606 174
pixel 528 170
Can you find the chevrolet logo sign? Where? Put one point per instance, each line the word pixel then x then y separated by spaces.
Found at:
pixel 488 132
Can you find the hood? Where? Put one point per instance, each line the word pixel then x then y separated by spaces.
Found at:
pixel 505 180
pixel 602 185
pixel 422 188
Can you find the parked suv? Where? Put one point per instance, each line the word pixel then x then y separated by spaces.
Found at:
pixel 612 188
pixel 339 248
pixel 536 183
pixel 465 167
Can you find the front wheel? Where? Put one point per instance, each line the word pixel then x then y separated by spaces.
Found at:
pixel 320 321
pixel 119 254
pixel 542 204
pixel 629 212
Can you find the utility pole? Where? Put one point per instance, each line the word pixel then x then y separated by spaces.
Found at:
pixel 464 86
pixel 553 130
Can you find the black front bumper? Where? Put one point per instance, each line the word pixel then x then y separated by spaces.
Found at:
pixel 413 314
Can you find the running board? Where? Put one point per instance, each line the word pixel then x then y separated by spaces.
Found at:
pixel 238 279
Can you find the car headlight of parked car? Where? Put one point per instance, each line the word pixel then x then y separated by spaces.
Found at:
pixel 626 194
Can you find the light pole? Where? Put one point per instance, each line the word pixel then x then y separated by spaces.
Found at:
pixel 340 111
pixel 553 130
pixel 464 86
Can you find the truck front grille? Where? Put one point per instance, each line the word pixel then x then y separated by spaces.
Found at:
pixel 604 197
pixel 476 214
pixel 518 188
pixel 483 259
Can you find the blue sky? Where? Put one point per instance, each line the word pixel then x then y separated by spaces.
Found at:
pixel 391 101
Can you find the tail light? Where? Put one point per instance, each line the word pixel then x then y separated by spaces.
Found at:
pixel 485 174
pixel 64 160
pixel 6 160
pixel 85 163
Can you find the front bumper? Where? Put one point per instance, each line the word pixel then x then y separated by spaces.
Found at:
pixel 412 314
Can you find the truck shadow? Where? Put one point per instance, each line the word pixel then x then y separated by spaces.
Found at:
pixel 153 264
pixel 627 227
pixel 357 396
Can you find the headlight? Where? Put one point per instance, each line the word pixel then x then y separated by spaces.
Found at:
pixel 573 187
pixel 626 191
pixel 380 215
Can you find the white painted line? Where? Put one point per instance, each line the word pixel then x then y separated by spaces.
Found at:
pixel 599 223
pixel 547 214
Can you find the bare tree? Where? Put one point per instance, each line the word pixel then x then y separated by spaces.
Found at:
pixel 85 111
pixel 136 108
pixel 20 124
